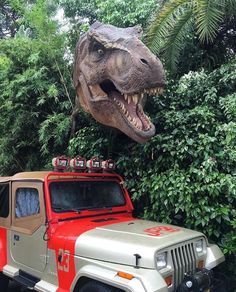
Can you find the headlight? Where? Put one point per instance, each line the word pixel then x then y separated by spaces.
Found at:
pixel 161 260
pixel 199 246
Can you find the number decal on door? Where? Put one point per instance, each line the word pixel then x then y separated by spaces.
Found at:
pixel 63 260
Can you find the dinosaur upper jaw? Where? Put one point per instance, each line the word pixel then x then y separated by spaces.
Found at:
pixel 123 111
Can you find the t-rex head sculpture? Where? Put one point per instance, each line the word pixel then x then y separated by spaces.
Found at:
pixel 114 72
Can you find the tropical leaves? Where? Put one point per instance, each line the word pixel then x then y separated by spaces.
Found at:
pixel 165 18
pixel 208 15
pixel 176 36
pixel 179 18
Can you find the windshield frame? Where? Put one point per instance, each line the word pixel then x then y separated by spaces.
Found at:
pixel 86 208
pixel 65 176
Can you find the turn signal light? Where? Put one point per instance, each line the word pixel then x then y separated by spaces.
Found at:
pixel 168 280
pixel 125 275
pixel 200 265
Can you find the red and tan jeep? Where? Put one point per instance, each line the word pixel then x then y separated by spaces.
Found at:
pixel 74 231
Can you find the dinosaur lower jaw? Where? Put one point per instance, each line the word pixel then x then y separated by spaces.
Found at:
pixel 132 112
pixel 130 107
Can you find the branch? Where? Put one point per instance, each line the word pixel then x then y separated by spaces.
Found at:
pixel 64 85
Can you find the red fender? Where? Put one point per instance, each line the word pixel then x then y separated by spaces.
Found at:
pixel 3 247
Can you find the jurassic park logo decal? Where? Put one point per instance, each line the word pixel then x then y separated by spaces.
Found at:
pixel 159 230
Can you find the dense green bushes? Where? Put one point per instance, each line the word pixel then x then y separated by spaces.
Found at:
pixel 32 97
pixel 188 170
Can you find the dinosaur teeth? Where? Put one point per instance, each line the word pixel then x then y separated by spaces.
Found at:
pixel 129 118
pixel 153 91
pixel 135 98
pixel 133 120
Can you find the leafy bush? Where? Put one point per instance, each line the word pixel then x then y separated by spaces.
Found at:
pixel 187 173
pixel 33 97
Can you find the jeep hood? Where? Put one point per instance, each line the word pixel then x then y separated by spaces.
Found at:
pixel 118 243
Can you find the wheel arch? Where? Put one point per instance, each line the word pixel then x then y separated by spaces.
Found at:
pixel 84 279
pixel 100 274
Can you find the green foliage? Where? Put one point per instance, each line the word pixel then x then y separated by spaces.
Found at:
pixel 126 13
pixel 33 95
pixel 11 12
pixel 91 139
pixel 188 170
pixel 117 12
pixel 38 18
pixel 209 15
pixel 179 20
pixel 53 133
pixel 79 9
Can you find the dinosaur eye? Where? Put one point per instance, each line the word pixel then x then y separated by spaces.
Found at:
pixel 100 52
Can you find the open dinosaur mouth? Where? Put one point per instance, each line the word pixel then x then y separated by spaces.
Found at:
pixel 130 105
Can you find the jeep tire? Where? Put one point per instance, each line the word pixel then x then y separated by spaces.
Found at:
pixel 94 286
pixel 4 282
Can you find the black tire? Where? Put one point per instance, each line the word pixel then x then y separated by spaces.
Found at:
pixel 94 286
pixel 4 282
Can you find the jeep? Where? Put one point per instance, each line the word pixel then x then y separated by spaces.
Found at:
pixel 74 231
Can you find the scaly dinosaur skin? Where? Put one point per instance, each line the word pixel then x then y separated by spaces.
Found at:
pixel 114 72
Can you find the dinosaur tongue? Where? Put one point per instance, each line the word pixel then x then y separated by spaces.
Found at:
pixel 131 111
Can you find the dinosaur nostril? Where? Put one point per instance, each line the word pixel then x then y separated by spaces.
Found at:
pixel 144 61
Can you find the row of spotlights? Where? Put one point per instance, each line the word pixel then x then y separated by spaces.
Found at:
pixel 79 163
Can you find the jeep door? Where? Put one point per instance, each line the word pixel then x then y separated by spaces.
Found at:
pixel 28 248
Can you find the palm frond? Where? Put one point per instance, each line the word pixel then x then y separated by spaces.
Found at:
pixel 208 15
pixel 160 27
pixel 175 42
pixel 230 7
pixel 227 5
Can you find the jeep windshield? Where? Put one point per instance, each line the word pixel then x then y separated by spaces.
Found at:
pixel 75 196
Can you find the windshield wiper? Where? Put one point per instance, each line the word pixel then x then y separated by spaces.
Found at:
pixel 78 210
pixel 65 209
pixel 95 208
pixel 99 208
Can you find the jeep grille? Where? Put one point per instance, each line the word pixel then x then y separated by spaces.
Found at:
pixel 184 261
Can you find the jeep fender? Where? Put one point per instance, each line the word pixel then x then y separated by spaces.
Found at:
pixel 145 280
pixel 214 256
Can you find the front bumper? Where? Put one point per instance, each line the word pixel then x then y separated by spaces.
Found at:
pixel 204 281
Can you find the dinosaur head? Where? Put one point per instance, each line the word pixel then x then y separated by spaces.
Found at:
pixel 114 73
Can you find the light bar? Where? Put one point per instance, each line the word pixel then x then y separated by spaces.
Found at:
pixel 108 165
pixel 60 163
pixel 78 163
pixel 94 164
